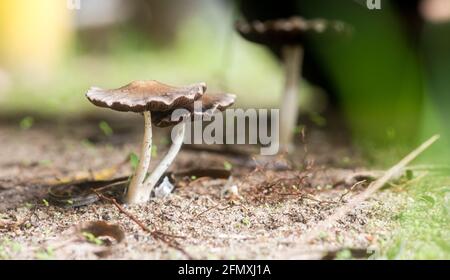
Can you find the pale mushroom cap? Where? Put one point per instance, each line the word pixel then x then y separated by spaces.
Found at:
pixel 140 96
pixel 288 31
pixel 210 104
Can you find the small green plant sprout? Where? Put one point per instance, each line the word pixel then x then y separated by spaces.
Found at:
pixel 45 202
pixel 45 162
pixel 298 129
pixel 427 199
pixel 323 235
pixel 228 166
pixel 91 238
pixel 245 221
pixel 154 151
pixel 134 161
pixel 28 205
pixel 345 254
pixel 45 254
pixel 26 123
pixel 87 143
pixel 318 120
pixel 105 128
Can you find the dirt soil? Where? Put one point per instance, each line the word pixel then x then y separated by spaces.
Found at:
pixel 278 199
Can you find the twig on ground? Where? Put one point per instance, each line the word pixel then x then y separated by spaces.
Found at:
pixel 356 200
pixel 313 198
pixel 188 205
pixel 154 233
pixel 351 189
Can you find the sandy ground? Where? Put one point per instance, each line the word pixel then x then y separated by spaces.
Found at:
pixel 266 221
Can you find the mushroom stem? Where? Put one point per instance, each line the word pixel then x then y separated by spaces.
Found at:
pixel 136 191
pixel 177 138
pixel 292 56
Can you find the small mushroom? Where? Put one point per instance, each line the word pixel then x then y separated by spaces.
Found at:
pixel 289 34
pixel 207 105
pixel 145 97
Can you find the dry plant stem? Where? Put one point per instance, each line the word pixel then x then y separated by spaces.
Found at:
pixel 374 187
pixel 136 192
pixel 178 137
pixel 351 189
pixel 155 233
pixel 293 57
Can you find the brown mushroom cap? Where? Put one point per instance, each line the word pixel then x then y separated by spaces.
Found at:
pixel 140 96
pixel 288 31
pixel 211 104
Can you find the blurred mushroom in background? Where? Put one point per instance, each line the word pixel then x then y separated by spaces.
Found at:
pixel 289 34
pixel 436 57
pixel 359 76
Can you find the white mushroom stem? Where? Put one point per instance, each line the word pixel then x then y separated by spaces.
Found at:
pixel 136 190
pixel 177 140
pixel 293 57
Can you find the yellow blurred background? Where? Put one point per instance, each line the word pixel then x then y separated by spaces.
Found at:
pixel 34 35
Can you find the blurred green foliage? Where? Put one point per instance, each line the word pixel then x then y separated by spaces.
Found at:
pixel 105 128
pixel 424 223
